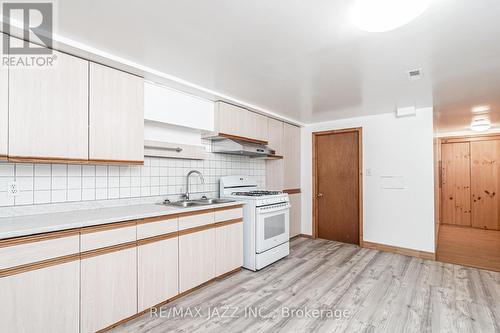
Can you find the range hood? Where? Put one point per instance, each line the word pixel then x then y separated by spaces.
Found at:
pixel 240 147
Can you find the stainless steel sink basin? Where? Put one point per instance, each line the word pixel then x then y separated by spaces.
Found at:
pixel 213 201
pixel 198 202
pixel 184 204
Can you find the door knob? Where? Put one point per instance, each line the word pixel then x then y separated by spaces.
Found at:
pixel 319 195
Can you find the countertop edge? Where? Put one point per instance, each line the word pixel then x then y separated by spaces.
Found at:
pixel 96 222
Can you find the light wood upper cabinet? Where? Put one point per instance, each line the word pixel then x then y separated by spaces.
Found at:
pixel 291 156
pixel 116 115
pixel 157 271
pixel 4 107
pixel 41 300
pixel 275 130
pixel 108 289
pixel 236 121
pixel 274 168
pixel 227 119
pixel 48 110
pixel 196 259
pixel 257 126
pixel 228 248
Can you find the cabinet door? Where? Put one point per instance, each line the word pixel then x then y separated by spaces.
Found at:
pixel 4 106
pixel 228 119
pixel 48 110
pixel 258 127
pixel 274 168
pixel 455 187
pixel 108 289
pixel 295 214
pixel 233 120
pixel 274 175
pixel 196 259
pixel 158 269
pixel 229 248
pixel 291 156
pixel 485 157
pixel 116 115
pixel 275 129
pixel 42 300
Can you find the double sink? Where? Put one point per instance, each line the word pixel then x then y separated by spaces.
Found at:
pixel 198 202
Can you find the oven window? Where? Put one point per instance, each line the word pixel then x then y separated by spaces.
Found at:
pixel 274 226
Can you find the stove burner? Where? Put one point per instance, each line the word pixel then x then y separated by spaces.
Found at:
pixel 256 193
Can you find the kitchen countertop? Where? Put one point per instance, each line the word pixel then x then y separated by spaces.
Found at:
pixel 41 223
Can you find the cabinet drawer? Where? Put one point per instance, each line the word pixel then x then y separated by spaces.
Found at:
pixel 95 238
pixel 195 219
pixel 226 214
pixel 156 226
pixel 37 248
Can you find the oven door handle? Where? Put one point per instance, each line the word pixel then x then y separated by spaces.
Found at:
pixel 263 211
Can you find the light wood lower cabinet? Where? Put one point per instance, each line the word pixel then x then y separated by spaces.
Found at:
pixel 228 248
pixel 157 271
pixel 295 212
pixel 108 289
pixel 41 300
pixel 196 259
pixel 88 279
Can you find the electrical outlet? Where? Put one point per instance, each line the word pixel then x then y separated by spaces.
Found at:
pixel 12 189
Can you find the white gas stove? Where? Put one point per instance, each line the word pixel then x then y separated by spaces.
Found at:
pixel 265 220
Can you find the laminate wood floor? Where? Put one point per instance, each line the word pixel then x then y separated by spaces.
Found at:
pixel 469 246
pixel 378 291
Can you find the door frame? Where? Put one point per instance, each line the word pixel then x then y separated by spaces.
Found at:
pixel 359 131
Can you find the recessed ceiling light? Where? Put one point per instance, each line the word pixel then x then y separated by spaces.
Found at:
pixel 481 109
pixel 480 125
pixel 386 15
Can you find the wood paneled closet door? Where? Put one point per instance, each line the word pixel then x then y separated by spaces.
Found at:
pixel 337 167
pixel 456 177
pixel 485 184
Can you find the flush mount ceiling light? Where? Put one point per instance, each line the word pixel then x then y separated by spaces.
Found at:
pixel 386 15
pixel 480 109
pixel 480 125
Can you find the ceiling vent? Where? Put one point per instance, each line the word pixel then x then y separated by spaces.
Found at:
pixel 415 74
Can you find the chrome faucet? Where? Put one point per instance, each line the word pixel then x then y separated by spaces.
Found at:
pixel 186 195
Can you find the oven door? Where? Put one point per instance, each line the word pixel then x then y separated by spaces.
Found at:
pixel 272 223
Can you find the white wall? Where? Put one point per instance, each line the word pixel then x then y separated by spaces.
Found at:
pixel 391 146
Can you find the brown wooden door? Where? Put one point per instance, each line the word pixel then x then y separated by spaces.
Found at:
pixel 455 187
pixel 485 157
pixel 337 185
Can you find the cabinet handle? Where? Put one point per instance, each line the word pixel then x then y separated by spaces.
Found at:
pixel 177 149
pixel 320 195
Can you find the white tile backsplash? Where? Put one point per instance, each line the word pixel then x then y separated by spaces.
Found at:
pixel 56 183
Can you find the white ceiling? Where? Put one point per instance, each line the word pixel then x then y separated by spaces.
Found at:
pixel 304 59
